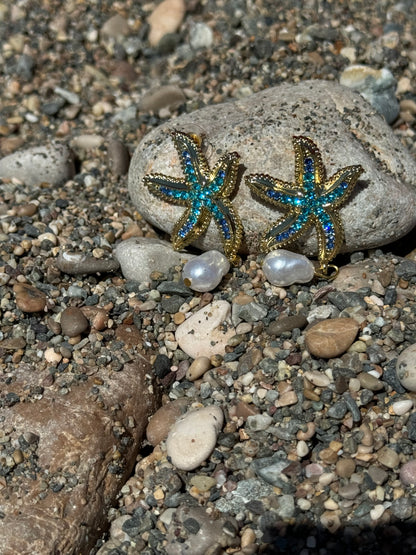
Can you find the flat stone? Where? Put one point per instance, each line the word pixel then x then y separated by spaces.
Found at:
pixel 79 263
pixel 73 439
pixel 287 323
pixel 207 331
pixel 193 437
pixel 167 96
pixel 260 128
pixel 140 256
pixel 29 298
pixel 331 338
pixel 52 164
pixel 406 368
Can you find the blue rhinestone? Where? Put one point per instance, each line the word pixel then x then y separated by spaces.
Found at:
pixel 186 154
pixel 221 174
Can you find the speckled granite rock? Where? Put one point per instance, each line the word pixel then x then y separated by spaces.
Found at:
pixel 260 128
pixel 59 504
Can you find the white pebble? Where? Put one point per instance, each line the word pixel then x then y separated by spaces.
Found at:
pixel 207 331
pixel 302 448
pixel 193 437
pixel 282 267
pixel 402 406
pixel 406 368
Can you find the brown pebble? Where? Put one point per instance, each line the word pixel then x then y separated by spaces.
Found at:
pixel 119 157
pixel 345 467
pixel 198 367
pixel 287 323
pixel 310 432
pixel 26 209
pixel 129 334
pixel 73 322
pixel 97 316
pixel 331 338
pixel 178 318
pixel 29 298
pixel 163 419
pixel 328 456
pixel 388 457
pixel 243 410
pixel 368 381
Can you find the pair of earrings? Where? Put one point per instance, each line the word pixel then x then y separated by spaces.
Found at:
pixel 312 199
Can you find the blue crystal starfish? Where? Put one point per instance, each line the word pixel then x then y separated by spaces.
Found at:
pixel 311 200
pixel 204 192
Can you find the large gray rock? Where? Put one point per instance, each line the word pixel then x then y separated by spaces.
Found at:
pixel 347 131
pixel 52 164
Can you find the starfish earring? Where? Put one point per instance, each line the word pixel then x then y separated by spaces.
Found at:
pixel 311 200
pixel 204 192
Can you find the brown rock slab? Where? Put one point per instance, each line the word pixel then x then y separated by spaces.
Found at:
pixel 56 500
pixel 331 338
pixel 29 298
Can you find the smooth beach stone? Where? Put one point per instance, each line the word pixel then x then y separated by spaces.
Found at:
pixel 73 321
pixel 331 338
pixel 205 272
pixel 52 164
pixel 282 267
pixel 193 437
pixel 206 332
pixel 29 298
pixel 164 418
pixel 140 256
pixel 406 368
pixel 377 86
pixel 408 473
pixel 260 128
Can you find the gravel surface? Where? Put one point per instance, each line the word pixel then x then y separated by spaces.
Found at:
pixel 317 453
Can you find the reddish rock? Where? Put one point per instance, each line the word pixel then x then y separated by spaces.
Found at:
pixel 331 338
pixel 73 321
pixel 29 298
pixel 163 419
pixel 56 501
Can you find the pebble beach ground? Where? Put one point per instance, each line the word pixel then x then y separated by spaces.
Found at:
pixel 316 453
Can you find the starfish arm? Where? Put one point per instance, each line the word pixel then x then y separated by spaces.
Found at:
pixel 229 226
pixel 308 163
pixel 330 235
pixel 169 189
pixel 285 231
pixel 193 223
pixel 193 161
pixel 223 176
pixel 340 186
pixel 274 191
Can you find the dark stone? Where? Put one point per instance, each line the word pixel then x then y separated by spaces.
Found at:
pixel 344 299
pixel 390 376
pixel 174 288
pixel 255 506
pixel 338 410
pixel 366 396
pixel 406 269
pixel 390 296
pixel 171 304
pixel 192 525
pixel 411 427
pixel 352 407
pixel 161 366
pixel 376 354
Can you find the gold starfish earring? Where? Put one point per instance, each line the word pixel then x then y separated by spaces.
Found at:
pixel 311 200
pixel 204 192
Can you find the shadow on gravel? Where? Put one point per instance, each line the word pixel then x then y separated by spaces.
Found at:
pixel 398 538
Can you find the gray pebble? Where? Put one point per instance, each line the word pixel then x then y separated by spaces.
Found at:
pixel 251 312
pixel 338 410
pixel 344 299
pixel 52 164
pixel 119 157
pixel 288 323
pixel 200 36
pixel 74 263
pixel 402 508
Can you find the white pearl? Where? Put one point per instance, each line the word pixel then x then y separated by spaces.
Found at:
pixel 282 267
pixel 204 272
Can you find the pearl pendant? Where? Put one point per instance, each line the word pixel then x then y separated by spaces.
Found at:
pixel 204 272
pixel 282 267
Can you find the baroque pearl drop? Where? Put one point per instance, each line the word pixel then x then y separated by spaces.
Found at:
pixel 204 272
pixel 282 267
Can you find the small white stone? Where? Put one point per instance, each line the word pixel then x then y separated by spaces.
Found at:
pixel 282 267
pixel 205 272
pixel 193 437
pixel 302 448
pixel 406 368
pixel 207 331
pixel 402 406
